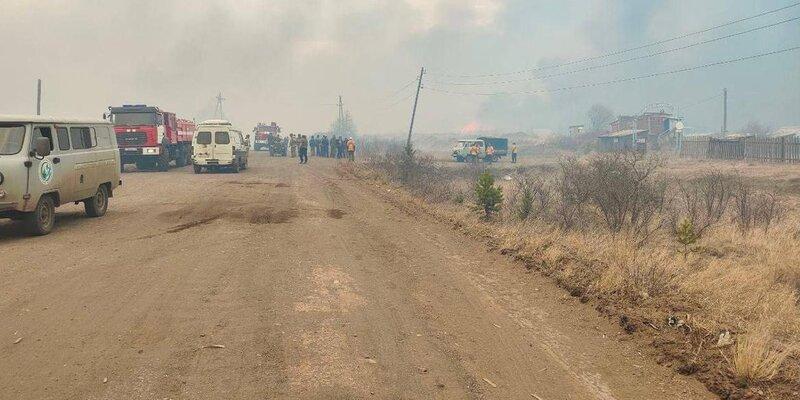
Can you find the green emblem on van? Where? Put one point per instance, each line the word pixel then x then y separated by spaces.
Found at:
pixel 45 171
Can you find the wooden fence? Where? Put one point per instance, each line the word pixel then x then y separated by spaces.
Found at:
pixel 750 148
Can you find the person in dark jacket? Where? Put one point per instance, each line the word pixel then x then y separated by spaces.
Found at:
pixel 312 143
pixel 303 149
pixel 324 146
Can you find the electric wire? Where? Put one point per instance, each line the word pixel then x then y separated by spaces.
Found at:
pixel 590 68
pixel 623 51
pixel 622 80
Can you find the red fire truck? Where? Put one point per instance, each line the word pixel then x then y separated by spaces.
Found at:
pixel 151 138
pixel 263 132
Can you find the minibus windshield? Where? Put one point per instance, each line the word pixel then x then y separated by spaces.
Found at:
pixel 11 137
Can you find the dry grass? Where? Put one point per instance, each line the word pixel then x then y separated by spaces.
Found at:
pixel 756 359
pixel 745 283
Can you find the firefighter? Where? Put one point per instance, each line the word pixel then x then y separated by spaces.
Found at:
pixel 293 145
pixel 351 149
pixel 332 148
pixel 303 147
pixel 312 143
pixel 324 149
pixel 514 153
pixel 473 152
pixel 489 153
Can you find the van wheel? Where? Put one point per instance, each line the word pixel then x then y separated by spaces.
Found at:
pixel 236 166
pixel 41 220
pixel 97 205
pixel 197 169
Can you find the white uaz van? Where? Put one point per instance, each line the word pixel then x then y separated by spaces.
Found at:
pixel 217 144
pixel 46 162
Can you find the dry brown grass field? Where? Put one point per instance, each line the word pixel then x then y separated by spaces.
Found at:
pixel 699 259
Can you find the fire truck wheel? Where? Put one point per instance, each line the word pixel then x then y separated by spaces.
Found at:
pixel 163 160
pixel 197 169
pixel 98 205
pixel 142 165
pixel 181 159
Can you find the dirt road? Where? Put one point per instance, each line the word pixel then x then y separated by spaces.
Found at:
pixel 289 281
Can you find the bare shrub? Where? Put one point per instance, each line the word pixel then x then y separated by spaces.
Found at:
pixel 572 188
pixel 627 190
pixel 419 173
pixel 755 207
pixel 700 204
pixel 767 207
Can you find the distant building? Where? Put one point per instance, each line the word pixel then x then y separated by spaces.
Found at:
pixel 575 130
pixel 626 139
pixel 651 129
pixel 787 132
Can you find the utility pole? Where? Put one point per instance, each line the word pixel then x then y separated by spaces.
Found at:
pixel 724 111
pixel 218 110
pixel 340 122
pixel 39 97
pixel 414 111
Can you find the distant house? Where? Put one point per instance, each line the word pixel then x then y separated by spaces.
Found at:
pixel 658 128
pixel 786 132
pixel 575 130
pixel 626 139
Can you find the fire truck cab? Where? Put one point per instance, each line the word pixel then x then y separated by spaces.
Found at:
pixel 151 138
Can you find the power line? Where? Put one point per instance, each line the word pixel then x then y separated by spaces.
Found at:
pixel 594 84
pixel 398 91
pixel 623 51
pixel 400 100
pixel 621 61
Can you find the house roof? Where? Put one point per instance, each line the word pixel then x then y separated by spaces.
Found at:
pixel 623 133
pixel 786 131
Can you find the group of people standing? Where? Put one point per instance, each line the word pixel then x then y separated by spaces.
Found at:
pixel 321 146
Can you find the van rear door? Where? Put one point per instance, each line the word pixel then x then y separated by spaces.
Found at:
pixel 222 145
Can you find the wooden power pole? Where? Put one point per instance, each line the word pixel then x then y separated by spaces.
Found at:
pixel 724 111
pixel 39 97
pixel 414 111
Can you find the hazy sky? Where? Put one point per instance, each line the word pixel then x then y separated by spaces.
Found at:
pixel 288 61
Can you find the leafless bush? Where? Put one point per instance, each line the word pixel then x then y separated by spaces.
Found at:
pixel 755 207
pixel 572 188
pixel 703 201
pixel 419 173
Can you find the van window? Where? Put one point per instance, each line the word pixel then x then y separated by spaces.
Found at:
pixel 203 137
pixel 42 132
pixel 82 138
pixel 11 137
pixel 222 137
pixel 103 136
pixel 63 138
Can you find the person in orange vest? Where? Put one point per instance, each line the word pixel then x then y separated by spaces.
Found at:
pixel 473 152
pixel 514 153
pixel 351 149
pixel 489 153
